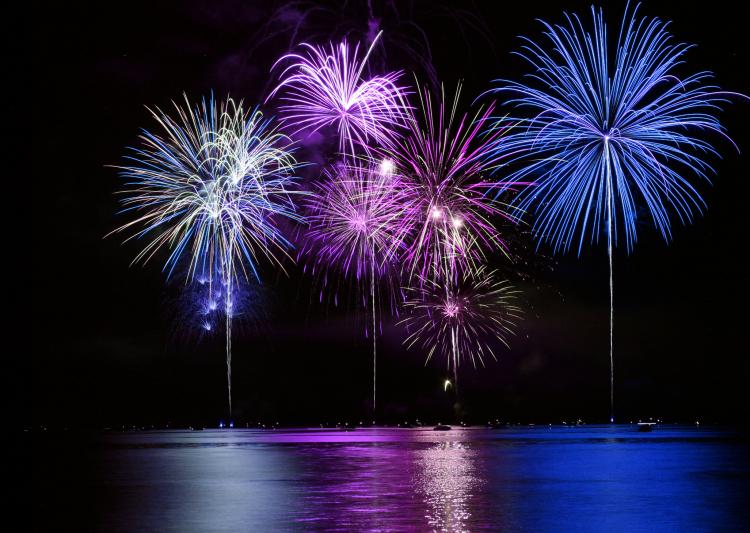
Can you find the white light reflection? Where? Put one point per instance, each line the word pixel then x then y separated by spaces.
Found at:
pixel 446 479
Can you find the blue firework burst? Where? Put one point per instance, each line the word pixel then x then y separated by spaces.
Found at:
pixel 612 128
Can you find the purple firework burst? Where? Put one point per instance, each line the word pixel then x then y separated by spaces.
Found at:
pixel 327 87
pixel 447 225
pixel 354 215
pixel 462 319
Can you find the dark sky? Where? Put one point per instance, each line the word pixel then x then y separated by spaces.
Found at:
pixel 105 350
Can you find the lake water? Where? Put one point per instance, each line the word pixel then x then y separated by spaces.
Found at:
pixel 588 478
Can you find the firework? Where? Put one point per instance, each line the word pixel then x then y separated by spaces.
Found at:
pixel 354 215
pixel 201 305
pixel 613 128
pixel 447 226
pixel 327 87
pixel 461 319
pixel 363 20
pixel 210 188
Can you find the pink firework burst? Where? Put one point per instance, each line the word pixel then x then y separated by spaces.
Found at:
pixel 448 226
pixel 327 87
pixel 355 216
pixel 462 319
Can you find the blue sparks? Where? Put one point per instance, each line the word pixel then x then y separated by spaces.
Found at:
pixel 612 128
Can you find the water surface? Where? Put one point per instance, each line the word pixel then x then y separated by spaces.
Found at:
pixel 589 478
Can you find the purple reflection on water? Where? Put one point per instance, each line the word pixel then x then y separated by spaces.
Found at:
pixel 402 479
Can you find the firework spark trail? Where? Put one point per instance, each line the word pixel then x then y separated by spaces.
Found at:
pixel 211 186
pixel 607 135
pixel 462 319
pixel 374 343
pixel 447 226
pixel 326 87
pixel 354 213
pixel 200 304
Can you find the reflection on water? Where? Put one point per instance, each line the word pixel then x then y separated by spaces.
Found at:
pixel 365 486
pixel 446 479
pixel 545 479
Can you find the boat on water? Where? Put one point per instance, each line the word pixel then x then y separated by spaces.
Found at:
pixel 646 426
pixel 441 427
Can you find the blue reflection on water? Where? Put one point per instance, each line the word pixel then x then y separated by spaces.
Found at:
pixel 607 478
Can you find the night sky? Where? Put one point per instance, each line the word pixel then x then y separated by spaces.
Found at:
pixel 105 347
